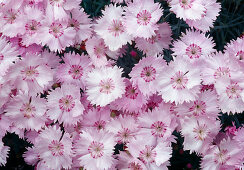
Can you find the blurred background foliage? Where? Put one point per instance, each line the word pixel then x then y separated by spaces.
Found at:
pixel 228 26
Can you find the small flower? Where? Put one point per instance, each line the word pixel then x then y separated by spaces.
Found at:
pixel 105 85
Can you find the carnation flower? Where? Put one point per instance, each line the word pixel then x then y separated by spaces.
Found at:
pixel 3 154
pixel 105 85
pixel 127 161
pixel 81 23
pixel 60 9
pixel 151 154
pixel 193 45
pixel 33 22
pixel 123 128
pixel 111 28
pixel 187 9
pixel 31 74
pixel 56 34
pixel 199 133
pixel 222 156
pixel 153 45
pixel 8 54
pixel 146 73
pixel 219 67
pixel 55 148
pixel 205 105
pixel 132 100
pixel 4 124
pixel 156 125
pixel 231 96
pixel 98 52
pixel 27 112
pixel 11 22
pixel 235 49
pixel 64 104
pixel 141 18
pixel 180 82
pixel 95 149
pixel 210 13
pixel 96 118
pixel 74 70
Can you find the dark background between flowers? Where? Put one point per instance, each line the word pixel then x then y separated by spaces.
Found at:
pixel 229 25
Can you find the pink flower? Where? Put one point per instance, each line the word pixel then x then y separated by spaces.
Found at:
pixel 152 155
pixel 205 105
pixel 56 34
pixel 141 18
pixel 5 124
pixel 219 67
pixel 146 73
pixel 199 133
pixel 193 45
pixel 8 54
pixel 235 49
pixel 155 44
pixel 27 112
pixel 111 28
pixel 180 82
pixel 210 13
pixel 105 85
pixel 95 149
pixel 231 96
pixel 132 100
pixel 157 125
pixel 11 23
pixel 60 9
pixel 33 22
pixel 74 70
pixel 31 74
pixel 81 23
pixel 187 9
pixel 55 148
pixel 222 156
pixel 97 50
pixel 124 129
pixel 64 104
pixel 96 118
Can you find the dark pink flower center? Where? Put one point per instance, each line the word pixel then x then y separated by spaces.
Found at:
pixel 56 148
pixel 148 73
pixel 74 23
pixel 100 124
pixel 158 129
pixel 194 51
pixel 10 16
pixel 147 155
pixel 32 26
pixel 233 91
pixel 96 149
pixel 179 80
pixel 124 135
pixel 100 50
pixel 56 30
pixel 30 73
pixel 198 108
pixel 135 166
pixel 131 92
pixel 76 71
pixel 66 103
pixel 143 17
pixel 155 38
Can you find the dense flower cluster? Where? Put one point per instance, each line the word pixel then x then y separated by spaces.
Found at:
pixel 75 108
